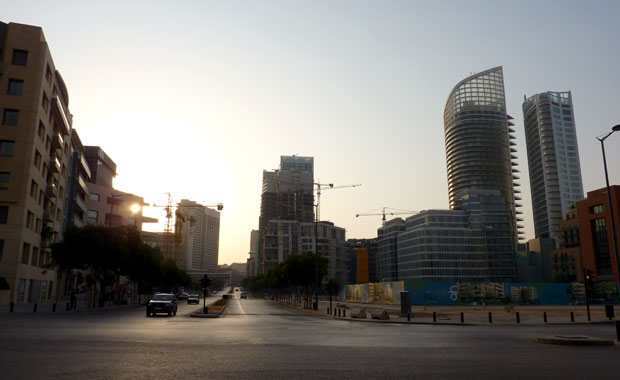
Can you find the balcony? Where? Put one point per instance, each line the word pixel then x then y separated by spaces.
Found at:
pixel 82 187
pixel 54 165
pixel 48 217
pixel 81 205
pixel 60 119
pixel 57 141
pixel 51 191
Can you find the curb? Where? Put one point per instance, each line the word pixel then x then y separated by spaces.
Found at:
pixel 200 314
pixel 574 340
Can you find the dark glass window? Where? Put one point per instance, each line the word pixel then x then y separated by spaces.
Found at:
pixel 6 148
pixel 20 57
pixel 1 249
pixel 16 87
pixel 4 214
pixel 10 117
pixel 601 247
pixel 596 209
pixel 5 178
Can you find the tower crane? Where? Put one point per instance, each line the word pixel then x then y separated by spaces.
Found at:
pixel 327 186
pixel 384 213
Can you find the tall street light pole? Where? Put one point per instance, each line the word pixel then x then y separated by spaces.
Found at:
pixel 602 139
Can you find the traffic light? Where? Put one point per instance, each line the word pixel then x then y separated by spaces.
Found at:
pixel 205 282
pixel 589 280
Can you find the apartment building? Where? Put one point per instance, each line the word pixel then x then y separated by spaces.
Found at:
pixel 35 161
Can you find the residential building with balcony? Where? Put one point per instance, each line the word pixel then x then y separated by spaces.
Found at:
pixel 566 260
pixel 35 146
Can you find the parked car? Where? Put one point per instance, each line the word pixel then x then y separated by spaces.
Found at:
pixel 182 296
pixel 244 295
pixel 193 298
pixel 162 303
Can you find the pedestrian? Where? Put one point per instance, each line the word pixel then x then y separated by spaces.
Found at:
pixel 72 300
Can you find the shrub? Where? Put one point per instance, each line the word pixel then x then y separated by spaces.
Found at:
pixel 221 302
pixel 4 284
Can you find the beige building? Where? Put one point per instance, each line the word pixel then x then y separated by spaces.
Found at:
pixel 200 238
pixel 34 161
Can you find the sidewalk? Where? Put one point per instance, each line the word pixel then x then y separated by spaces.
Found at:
pixel 61 307
pixel 531 315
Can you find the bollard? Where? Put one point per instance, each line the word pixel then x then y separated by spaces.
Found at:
pixel 490 317
pixel 35 308
pixel 545 316
pixel 572 316
pixel 12 307
pixel 434 316
pixel 618 330
pixel 54 307
pixel 518 317
pixel 462 317
pixel 408 317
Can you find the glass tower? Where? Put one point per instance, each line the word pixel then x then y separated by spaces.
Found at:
pixel 553 159
pixel 480 147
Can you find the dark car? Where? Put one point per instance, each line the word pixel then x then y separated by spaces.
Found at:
pixel 162 303
pixel 182 296
pixel 193 298
pixel 244 295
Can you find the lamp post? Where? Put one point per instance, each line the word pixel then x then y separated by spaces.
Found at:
pixel 602 139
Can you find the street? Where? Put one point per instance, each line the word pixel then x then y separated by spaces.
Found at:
pixel 256 339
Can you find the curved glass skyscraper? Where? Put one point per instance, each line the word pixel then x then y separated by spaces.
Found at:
pixel 479 141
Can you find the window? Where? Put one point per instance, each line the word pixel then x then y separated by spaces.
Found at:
pixel 37 227
pixel 41 130
pixel 44 101
pixel 20 57
pixel 10 117
pixel 26 254
pixel 61 193
pixel 37 159
pixel 94 197
pixel 6 148
pixel 5 178
pixel 4 214
pixel 15 87
pixel 58 214
pixel 597 209
pixel 29 220
pixel 34 261
pixel 92 216
pixel 34 189
pixel 48 74
pixel 1 249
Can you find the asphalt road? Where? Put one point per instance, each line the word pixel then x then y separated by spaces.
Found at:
pixel 258 340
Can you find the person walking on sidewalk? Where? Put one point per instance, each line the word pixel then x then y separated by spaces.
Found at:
pixel 72 300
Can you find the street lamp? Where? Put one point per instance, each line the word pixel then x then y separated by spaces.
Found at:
pixel 602 139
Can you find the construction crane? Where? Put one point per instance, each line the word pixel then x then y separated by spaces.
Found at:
pixel 172 245
pixel 384 213
pixel 327 186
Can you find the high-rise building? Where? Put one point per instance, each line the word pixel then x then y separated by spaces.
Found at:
pixel 76 210
pixel 553 159
pixel 35 158
pixel 480 147
pixel 287 194
pixel 200 233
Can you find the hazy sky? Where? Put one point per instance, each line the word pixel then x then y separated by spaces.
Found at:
pixel 196 98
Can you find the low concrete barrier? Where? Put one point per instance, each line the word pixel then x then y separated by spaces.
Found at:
pixel 381 315
pixel 358 313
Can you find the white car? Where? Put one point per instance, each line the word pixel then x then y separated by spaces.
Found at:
pixel 193 298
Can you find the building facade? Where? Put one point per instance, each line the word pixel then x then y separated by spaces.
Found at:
pixel 472 243
pixel 200 231
pixel 35 161
pixel 480 147
pixel 596 234
pixel 387 249
pixel 566 260
pixel 357 260
pixel 553 159
pixel 287 194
